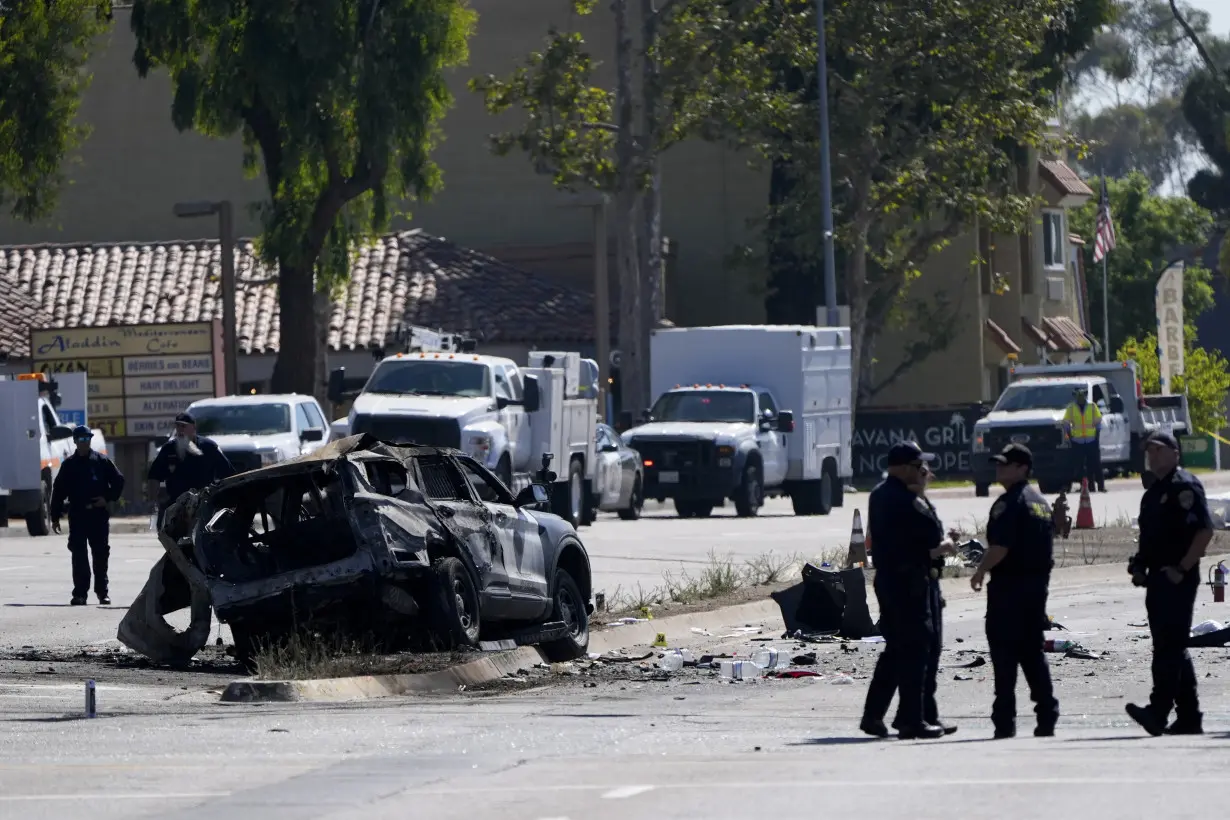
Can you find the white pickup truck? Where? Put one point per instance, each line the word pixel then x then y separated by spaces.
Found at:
pixel 1030 412
pixel 257 430
pixel 35 443
pixel 505 416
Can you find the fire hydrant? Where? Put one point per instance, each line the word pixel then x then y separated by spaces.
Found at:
pixel 1217 576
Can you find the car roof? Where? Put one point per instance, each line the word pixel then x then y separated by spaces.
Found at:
pixel 446 356
pixel 255 398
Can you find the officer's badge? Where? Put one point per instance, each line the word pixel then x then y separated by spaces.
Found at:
pixel 997 509
pixel 1186 499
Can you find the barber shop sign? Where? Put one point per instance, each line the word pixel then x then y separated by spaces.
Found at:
pixel 947 433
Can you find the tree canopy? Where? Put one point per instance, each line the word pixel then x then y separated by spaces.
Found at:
pixel 1205 378
pixel 44 46
pixel 337 103
pixel 1150 232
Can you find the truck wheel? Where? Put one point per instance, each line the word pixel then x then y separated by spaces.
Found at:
pixel 568 499
pixel 982 490
pixel 750 496
pixel 636 501
pixel 824 497
pixel 568 606
pixel 38 523
pixel 455 616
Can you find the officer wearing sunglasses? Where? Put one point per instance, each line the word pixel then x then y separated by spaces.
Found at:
pixel 87 483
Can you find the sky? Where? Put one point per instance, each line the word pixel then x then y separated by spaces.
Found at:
pixel 1219 12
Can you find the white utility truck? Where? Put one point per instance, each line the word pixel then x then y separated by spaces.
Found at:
pixel 35 443
pixel 1030 411
pixel 744 412
pixel 505 416
pixel 257 430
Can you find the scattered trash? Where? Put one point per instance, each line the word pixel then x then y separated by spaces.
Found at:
pixel 1140 625
pixel 976 662
pixel 615 657
pixel 1053 624
pixel 806 659
pixel 959 676
pixel 1080 653
pixel 91 699
pixel 1054 645
pixel 565 668
pixel 1205 627
pixel 698 631
pixel 843 680
pixel 739 670
pixel 768 658
pixel 798 673
pixel 675 659
pixel 876 639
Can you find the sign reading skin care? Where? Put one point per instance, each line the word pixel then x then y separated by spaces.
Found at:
pixel 140 376
pixel 1169 299
pixel 947 433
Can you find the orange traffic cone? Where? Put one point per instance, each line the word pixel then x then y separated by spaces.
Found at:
pixel 1084 516
pixel 857 556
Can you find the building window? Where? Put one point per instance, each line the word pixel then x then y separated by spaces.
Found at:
pixel 1053 240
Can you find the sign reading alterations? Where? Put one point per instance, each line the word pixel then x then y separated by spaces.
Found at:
pixel 140 376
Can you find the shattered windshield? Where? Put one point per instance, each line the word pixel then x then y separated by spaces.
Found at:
pixel 704 405
pixel 242 419
pixel 1036 397
pixel 423 377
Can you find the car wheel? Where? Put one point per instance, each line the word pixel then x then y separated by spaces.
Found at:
pixel 38 523
pixel 636 502
pixel 455 618
pixel 246 646
pixel 750 497
pixel 685 509
pixel 568 606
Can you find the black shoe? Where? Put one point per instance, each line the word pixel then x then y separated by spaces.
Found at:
pixel 1044 730
pixel 1005 732
pixel 1184 728
pixel 875 728
pixel 104 600
pixel 78 601
pixel 949 728
pixel 923 731
pixel 1146 718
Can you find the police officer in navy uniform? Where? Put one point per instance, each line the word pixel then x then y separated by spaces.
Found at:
pixel 1020 555
pixel 1175 530
pixel 908 538
pixel 935 604
pixel 87 482
pixel 187 462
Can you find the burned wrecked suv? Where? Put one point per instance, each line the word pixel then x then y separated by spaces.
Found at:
pixel 371 539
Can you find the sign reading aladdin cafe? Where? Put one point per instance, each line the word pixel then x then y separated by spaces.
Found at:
pixel 138 376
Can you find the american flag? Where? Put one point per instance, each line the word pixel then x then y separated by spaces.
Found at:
pixel 1104 239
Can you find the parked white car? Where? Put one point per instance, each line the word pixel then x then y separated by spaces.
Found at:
pixel 258 430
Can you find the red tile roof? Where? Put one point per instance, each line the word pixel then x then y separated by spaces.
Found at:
pixel 1000 336
pixel 409 277
pixel 1038 335
pixel 1063 179
pixel 1065 333
pixel 18 313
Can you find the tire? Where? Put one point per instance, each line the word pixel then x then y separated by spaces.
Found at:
pixel 245 646
pixel 693 509
pixel 982 490
pixel 568 606
pixel 1053 487
pixel 636 502
pixel 824 496
pixel 750 496
pixel 455 615
pixel 503 471
pixel 38 523
pixel 568 499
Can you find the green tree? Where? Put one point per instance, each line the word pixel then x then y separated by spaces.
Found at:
pixel 1205 378
pixel 1150 232
pixel 337 102
pixel 44 46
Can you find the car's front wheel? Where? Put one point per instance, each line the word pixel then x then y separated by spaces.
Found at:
pixel 455 616
pixel 636 501
pixel 568 605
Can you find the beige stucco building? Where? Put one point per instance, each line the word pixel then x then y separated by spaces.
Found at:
pixel 135 166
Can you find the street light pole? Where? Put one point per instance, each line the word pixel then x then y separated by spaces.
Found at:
pixel 602 308
pixel 826 172
pixel 226 241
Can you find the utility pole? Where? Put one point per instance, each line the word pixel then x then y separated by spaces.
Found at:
pixel 826 172
pixel 226 242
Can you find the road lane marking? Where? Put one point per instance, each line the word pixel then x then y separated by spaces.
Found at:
pixel 626 791
pixel 34 798
pixel 13 569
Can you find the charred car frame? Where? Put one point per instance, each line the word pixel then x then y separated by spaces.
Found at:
pixel 398 542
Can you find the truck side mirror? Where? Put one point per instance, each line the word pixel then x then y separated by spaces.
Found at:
pixel 60 432
pixel 312 435
pixel 785 422
pixel 1116 404
pixel 337 379
pixel 533 399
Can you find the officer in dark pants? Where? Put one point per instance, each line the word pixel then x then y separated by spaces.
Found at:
pixel 187 462
pixel 908 537
pixel 935 603
pixel 1020 536
pixel 1175 530
pixel 87 481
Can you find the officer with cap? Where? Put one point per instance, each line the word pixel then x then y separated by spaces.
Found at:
pixel 908 537
pixel 1020 536
pixel 1175 530
pixel 187 462
pixel 87 482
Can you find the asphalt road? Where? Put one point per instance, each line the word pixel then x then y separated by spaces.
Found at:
pixel 36 580
pixel 681 748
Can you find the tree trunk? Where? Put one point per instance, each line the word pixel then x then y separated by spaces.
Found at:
pixel 322 310
pixel 632 365
pixel 650 238
pixel 300 353
pixel 857 293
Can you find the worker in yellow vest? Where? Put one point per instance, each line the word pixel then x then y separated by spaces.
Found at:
pixel 1082 422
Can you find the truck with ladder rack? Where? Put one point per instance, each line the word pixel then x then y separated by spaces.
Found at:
pixel 1030 411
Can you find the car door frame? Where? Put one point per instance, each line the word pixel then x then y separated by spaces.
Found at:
pixel 772 443
pixel 1114 440
pixel 520 538
pixel 311 406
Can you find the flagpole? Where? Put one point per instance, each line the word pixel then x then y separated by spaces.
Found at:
pixel 1105 288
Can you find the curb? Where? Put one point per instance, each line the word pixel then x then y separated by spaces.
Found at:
pixel 119 526
pixel 481 670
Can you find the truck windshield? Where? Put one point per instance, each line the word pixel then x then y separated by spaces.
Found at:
pixel 242 419
pixel 1036 397
pixel 703 405
pixel 421 377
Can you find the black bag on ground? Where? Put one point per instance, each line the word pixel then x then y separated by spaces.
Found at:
pixel 827 601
